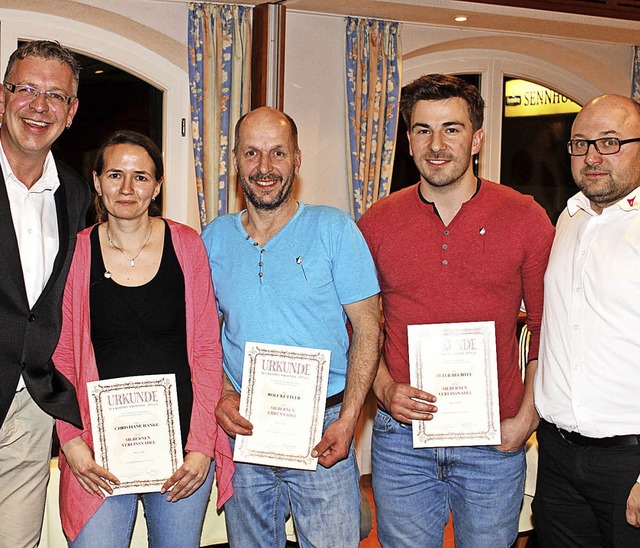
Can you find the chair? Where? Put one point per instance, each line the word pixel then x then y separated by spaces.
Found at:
pixel 526 516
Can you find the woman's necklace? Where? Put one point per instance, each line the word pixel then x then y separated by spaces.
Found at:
pixel 132 260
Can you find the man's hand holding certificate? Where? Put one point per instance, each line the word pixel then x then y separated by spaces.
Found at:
pixel 456 362
pixel 283 396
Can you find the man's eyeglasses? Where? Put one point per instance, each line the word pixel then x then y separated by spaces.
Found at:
pixel 25 91
pixel 604 146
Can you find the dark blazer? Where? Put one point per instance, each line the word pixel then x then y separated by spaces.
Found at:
pixel 28 336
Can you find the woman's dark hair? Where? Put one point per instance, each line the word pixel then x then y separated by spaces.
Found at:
pixel 127 137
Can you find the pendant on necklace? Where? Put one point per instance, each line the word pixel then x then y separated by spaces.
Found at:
pixel 132 260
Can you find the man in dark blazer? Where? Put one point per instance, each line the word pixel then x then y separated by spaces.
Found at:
pixel 42 206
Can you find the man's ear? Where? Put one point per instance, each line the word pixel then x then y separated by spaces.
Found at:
pixel 297 162
pixel 476 143
pixel 234 159
pixel 2 92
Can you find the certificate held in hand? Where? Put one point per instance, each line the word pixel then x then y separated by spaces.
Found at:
pixel 284 391
pixel 456 362
pixel 136 430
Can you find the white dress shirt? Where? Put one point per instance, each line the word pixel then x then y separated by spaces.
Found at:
pixel 36 225
pixel 588 377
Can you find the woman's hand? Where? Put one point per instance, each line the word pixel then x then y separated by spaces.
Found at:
pixel 92 477
pixel 188 478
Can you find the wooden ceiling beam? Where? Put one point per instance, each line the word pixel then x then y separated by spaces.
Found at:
pixel 616 9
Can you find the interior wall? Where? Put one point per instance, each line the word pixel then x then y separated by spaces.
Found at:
pixel 314 96
pixel 605 66
pixel 150 23
pixel 167 18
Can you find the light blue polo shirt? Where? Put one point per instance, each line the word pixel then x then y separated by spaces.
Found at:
pixel 291 290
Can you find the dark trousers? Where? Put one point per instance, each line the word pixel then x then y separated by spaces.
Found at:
pixel 581 493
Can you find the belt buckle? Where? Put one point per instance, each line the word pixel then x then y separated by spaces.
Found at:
pixel 565 438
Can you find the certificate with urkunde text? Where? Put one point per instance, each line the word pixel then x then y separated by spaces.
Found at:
pixel 456 362
pixel 136 430
pixel 284 391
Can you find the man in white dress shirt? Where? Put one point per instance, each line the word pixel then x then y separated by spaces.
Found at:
pixel 587 388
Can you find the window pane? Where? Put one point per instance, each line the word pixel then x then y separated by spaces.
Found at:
pixel 536 125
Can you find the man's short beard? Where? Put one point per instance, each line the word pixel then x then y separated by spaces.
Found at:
pixel 283 195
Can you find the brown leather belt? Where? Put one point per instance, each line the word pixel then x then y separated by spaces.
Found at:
pixel 335 399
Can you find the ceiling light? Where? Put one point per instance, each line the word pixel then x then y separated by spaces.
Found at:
pixel 461 18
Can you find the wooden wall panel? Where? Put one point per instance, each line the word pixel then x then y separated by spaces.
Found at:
pixel 267 55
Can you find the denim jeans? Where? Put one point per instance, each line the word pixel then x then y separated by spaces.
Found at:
pixel 325 503
pixel 169 524
pixel 414 490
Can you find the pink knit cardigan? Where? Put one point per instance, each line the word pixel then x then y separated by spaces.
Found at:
pixel 75 358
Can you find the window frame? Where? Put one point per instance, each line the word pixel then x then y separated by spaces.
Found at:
pixel 493 66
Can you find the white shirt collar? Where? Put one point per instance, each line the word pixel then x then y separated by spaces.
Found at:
pixel 580 201
pixel 48 181
pixel 631 201
pixel 577 202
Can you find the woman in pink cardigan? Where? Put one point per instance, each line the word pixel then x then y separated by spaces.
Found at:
pixel 139 301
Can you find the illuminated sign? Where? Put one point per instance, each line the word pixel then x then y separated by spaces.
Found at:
pixel 524 98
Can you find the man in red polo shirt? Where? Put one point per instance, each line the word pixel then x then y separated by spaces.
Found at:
pixel 452 248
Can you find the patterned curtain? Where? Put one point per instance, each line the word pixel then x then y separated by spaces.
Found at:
pixel 635 85
pixel 219 84
pixel 373 67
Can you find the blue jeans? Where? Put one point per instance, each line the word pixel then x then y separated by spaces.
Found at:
pixel 169 524
pixel 414 490
pixel 325 503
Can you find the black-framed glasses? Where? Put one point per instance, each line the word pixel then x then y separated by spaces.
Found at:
pixel 604 146
pixel 25 91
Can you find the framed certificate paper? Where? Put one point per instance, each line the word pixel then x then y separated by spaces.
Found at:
pixel 284 391
pixel 136 430
pixel 456 362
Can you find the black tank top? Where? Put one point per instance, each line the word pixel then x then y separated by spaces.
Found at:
pixel 142 330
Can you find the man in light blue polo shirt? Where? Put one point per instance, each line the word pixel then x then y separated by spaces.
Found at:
pixel 291 274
